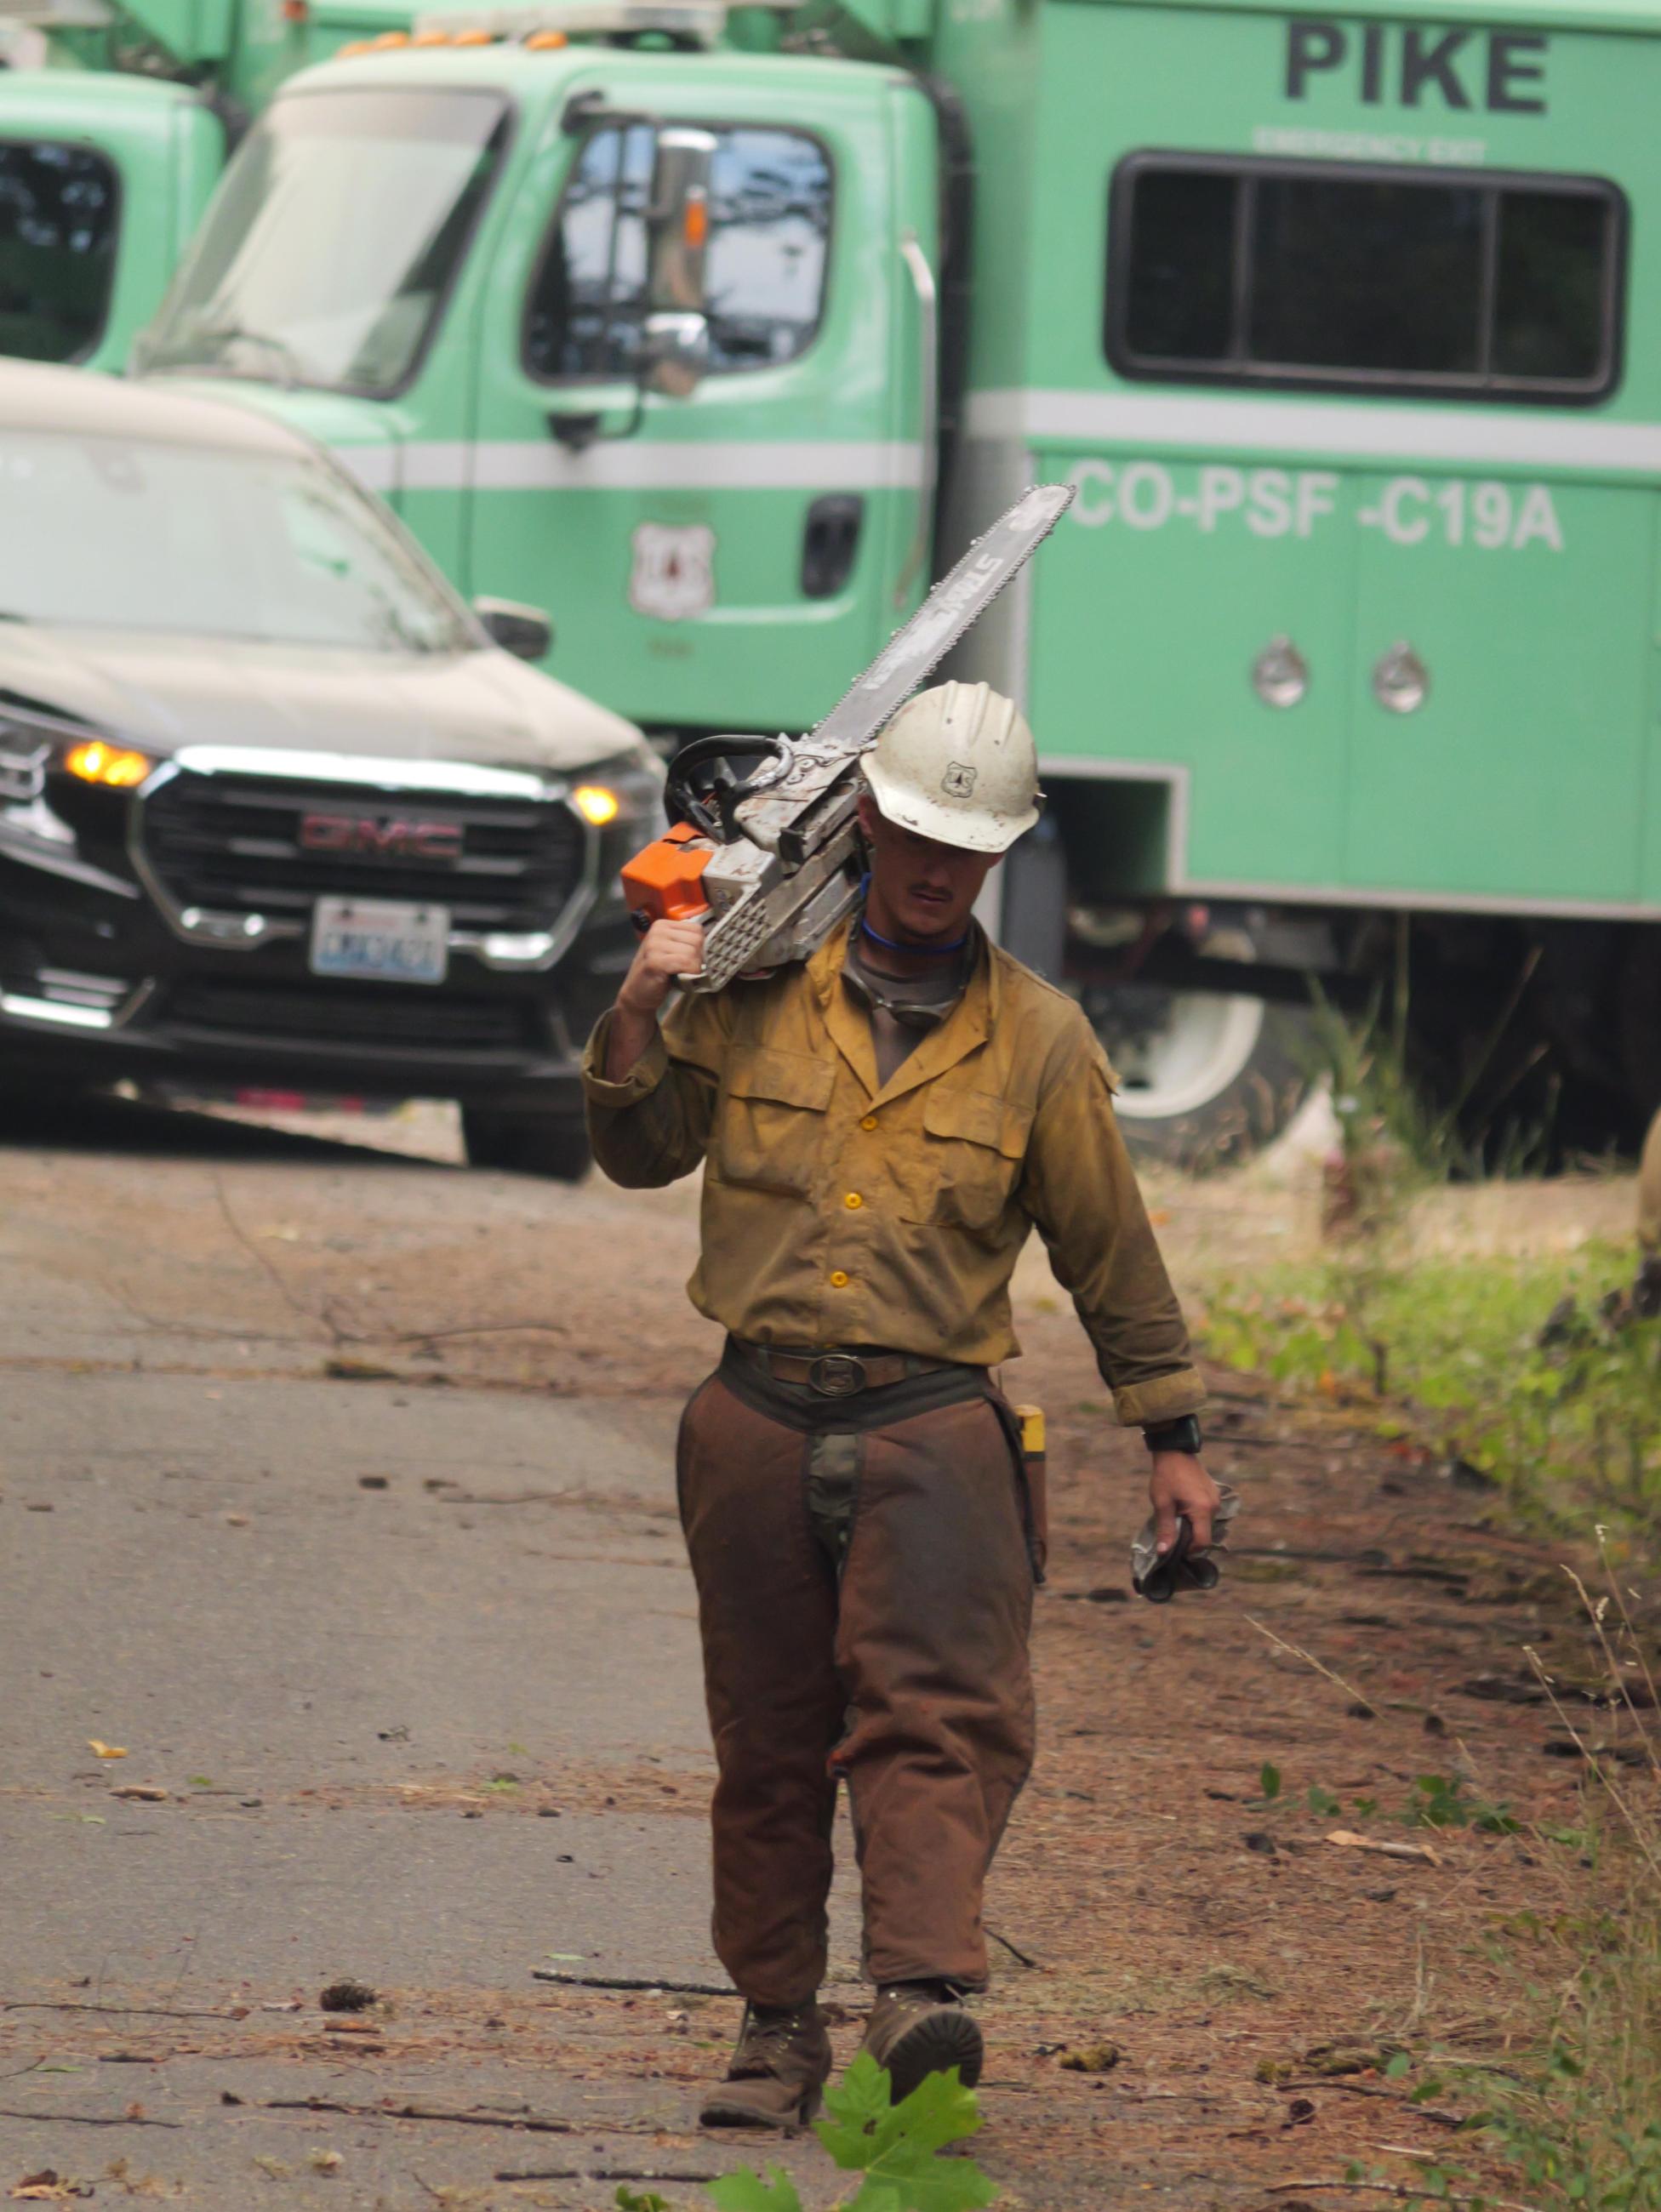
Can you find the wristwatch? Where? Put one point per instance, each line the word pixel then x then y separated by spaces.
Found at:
pixel 1181 1436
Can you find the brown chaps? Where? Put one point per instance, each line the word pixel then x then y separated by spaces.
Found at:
pixel 864 1600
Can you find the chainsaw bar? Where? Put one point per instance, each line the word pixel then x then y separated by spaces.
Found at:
pixel 914 652
pixel 774 885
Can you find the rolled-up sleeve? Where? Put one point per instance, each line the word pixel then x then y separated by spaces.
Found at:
pixel 1080 1190
pixel 653 1126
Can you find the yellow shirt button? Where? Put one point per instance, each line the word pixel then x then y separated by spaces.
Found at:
pixel 853 1200
pixel 869 1122
pixel 838 1279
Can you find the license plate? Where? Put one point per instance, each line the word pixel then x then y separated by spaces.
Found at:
pixel 381 941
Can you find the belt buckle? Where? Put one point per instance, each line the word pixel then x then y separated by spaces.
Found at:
pixel 837 1374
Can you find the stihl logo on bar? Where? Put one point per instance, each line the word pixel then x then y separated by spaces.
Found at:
pixel 383 837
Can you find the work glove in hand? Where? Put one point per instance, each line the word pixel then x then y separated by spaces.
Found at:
pixel 1181 1568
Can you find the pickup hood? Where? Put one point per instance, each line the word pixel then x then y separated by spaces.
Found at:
pixel 163 692
pixel 367 437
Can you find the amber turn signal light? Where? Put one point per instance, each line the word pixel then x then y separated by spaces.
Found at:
pixel 95 762
pixel 596 805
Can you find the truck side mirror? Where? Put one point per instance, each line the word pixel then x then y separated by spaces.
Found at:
pixel 675 341
pixel 526 632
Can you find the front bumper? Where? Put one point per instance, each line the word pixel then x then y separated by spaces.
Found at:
pixel 105 975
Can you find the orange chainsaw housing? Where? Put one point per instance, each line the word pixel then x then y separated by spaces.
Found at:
pixel 662 882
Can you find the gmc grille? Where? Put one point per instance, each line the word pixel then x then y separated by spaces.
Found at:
pixel 233 844
pixel 428 1023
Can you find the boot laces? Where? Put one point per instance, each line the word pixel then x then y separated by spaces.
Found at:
pixel 766 2037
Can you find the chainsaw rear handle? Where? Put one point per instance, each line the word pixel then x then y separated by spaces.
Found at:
pixel 709 801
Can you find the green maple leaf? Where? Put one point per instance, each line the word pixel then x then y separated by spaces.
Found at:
pixel 860 2101
pixel 745 2191
pixel 895 2146
pixel 875 2197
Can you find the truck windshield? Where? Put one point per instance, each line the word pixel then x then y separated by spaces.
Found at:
pixel 328 252
pixel 128 534
pixel 58 217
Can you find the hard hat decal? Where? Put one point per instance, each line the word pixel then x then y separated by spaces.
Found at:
pixel 918 776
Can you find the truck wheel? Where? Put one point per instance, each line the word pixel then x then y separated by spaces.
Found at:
pixel 555 1145
pixel 1206 1078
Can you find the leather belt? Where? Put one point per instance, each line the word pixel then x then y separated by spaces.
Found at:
pixel 840 1374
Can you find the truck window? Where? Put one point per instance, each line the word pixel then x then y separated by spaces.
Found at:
pixel 333 242
pixel 769 230
pixel 58 213
pixel 1459 283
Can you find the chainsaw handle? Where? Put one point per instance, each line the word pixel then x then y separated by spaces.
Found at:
pixel 711 809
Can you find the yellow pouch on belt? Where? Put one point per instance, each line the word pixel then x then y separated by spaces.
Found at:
pixel 1037 1482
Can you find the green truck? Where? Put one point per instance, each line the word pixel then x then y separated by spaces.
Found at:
pixel 117 118
pixel 717 331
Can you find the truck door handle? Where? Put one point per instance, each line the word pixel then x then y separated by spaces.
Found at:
pixel 830 542
pixel 928 365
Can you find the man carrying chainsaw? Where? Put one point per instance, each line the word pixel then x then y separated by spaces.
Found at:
pixel 881 1125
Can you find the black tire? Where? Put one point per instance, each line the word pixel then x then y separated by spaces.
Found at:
pixel 552 1145
pixel 1207 1078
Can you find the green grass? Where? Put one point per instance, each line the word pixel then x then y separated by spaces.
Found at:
pixel 1449 1353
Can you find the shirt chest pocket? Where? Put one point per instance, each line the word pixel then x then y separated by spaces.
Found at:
pixel 771 1131
pixel 973 1143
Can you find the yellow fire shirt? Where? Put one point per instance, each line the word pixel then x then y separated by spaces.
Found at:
pixel 839 1209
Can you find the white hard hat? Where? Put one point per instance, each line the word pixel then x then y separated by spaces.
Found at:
pixel 957 763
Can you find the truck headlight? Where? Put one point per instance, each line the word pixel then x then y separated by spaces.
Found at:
pixel 628 790
pixel 598 804
pixel 119 767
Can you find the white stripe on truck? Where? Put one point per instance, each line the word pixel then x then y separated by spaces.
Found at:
pixel 1330 429
pixel 638 465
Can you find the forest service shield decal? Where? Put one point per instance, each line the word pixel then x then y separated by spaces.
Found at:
pixel 673 578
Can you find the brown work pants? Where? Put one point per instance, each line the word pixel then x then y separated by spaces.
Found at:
pixel 864 1601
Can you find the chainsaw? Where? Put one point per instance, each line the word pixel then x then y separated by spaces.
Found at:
pixel 769 859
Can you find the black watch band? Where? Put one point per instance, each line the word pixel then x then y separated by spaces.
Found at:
pixel 1183 1436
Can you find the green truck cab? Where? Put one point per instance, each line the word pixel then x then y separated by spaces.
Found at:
pixel 1344 327
pixel 115 125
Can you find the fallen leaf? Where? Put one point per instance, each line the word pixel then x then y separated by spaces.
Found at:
pixel 1348 1840
pixel 105 1750
pixel 1094 2059
pixel 347 1995
pixel 147 1793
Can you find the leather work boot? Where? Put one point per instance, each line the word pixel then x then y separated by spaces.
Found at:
pixel 920 2028
pixel 781 2063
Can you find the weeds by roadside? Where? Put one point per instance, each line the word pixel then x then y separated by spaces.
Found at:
pixel 1567 2117
pixel 1539 1377
pixel 1455 1355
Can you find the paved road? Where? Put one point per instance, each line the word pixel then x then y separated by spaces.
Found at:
pixel 416 1667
